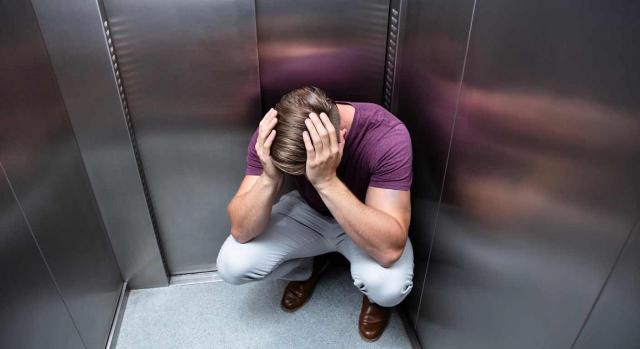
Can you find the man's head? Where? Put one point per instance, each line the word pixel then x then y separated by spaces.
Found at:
pixel 287 151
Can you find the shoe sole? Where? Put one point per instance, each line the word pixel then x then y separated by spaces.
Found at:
pixel 374 339
pixel 369 340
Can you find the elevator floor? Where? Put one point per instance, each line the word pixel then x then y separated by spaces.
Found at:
pixel 219 315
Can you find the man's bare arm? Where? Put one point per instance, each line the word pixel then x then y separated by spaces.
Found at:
pixel 379 227
pixel 250 208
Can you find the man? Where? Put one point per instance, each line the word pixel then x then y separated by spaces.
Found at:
pixel 351 163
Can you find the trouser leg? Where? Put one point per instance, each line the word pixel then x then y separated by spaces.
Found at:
pixel 282 251
pixel 384 286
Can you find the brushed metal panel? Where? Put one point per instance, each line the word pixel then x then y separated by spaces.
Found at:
pixel 190 74
pixel 80 57
pixel 32 312
pixel 434 36
pixel 337 45
pixel 41 159
pixel 615 319
pixel 541 188
pixel 97 118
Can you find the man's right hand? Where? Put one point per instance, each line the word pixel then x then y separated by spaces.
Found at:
pixel 266 135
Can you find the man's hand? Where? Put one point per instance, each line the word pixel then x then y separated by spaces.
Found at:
pixel 266 135
pixel 324 149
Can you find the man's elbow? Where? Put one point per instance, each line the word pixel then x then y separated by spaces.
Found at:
pixel 240 236
pixel 393 253
pixel 390 257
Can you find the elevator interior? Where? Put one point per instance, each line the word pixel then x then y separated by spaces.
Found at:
pixel 124 126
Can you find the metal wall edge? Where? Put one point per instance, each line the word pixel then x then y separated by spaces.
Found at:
pixel 112 341
pixel 79 53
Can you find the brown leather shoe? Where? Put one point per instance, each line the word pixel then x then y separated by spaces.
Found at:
pixel 373 320
pixel 297 293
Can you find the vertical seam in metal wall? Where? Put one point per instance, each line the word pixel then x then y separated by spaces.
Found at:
pixel 386 54
pixel 397 61
pixel 446 165
pixel 606 281
pixel 87 181
pixel 41 253
pixel 132 135
pixel 261 100
pixel 75 140
pixel 386 76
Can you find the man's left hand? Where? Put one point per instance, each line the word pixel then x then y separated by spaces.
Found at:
pixel 324 149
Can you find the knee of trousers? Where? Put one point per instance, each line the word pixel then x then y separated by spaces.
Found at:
pixel 238 264
pixel 385 290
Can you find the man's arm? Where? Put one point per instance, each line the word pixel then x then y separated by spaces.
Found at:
pixel 380 226
pixel 250 208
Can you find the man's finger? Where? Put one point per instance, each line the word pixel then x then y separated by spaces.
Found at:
pixel 264 132
pixel 308 145
pixel 322 132
pixel 268 126
pixel 315 137
pixel 269 141
pixel 271 113
pixel 333 141
pixel 341 141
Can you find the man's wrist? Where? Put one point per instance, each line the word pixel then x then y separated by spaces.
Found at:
pixel 326 185
pixel 267 180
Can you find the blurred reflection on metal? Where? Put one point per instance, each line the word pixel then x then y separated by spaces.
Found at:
pixel 541 186
pixel 190 75
pixel 96 113
pixel 41 161
pixel 336 45
pixel 433 37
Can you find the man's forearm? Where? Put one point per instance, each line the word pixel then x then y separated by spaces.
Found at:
pixel 380 235
pixel 249 212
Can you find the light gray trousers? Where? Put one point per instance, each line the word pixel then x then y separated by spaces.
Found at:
pixel 295 233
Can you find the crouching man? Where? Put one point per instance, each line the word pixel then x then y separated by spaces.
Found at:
pixel 351 163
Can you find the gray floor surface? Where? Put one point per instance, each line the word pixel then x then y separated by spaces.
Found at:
pixel 219 315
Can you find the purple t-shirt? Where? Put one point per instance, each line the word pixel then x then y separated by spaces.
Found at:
pixel 377 153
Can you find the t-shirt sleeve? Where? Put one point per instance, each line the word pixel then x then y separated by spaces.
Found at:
pixel 393 165
pixel 254 166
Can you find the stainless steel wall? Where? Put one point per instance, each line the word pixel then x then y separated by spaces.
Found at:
pixel 51 192
pixel 190 76
pixel 433 40
pixel 33 315
pixel 80 56
pixel 613 321
pixel 533 135
pixel 337 45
